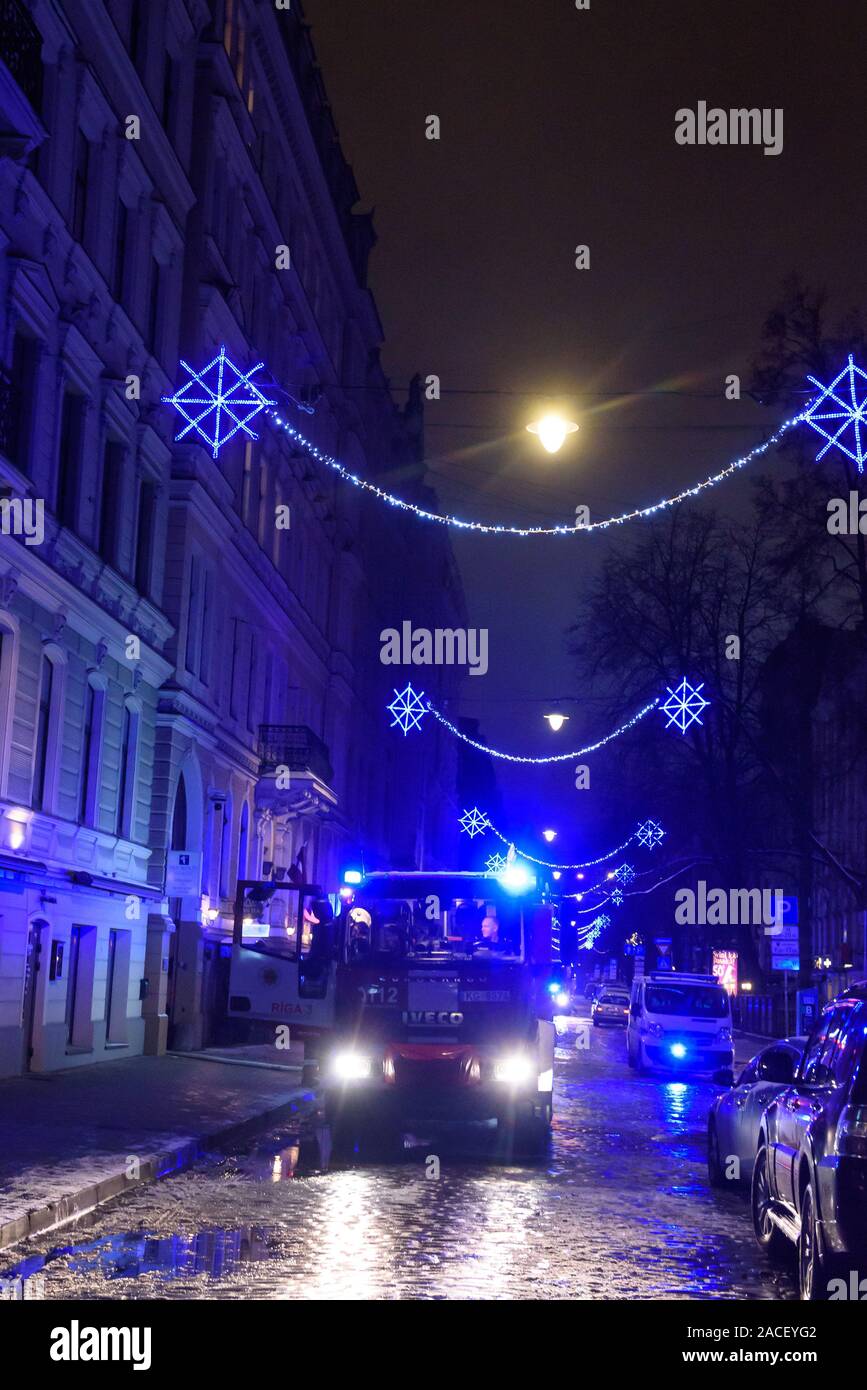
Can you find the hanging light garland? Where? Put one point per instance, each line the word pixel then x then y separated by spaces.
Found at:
pixel 682 709
pixel 586 864
pixel 220 400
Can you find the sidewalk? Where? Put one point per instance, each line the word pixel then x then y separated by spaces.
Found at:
pixel 68 1140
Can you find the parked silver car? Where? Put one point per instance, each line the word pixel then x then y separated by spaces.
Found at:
pixel 736 1115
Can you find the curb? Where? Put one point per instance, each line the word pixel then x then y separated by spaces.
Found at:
pixel 160 1164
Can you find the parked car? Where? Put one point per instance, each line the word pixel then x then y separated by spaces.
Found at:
pixel 809 1184
pixel 611 1006
pixel 736 1115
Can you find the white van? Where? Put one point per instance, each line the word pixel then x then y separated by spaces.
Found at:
pixel 680 1023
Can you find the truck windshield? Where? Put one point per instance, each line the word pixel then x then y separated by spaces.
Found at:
pixel 686 1001
pixel 432 927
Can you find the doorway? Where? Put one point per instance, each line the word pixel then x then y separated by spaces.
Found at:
pixel 32 956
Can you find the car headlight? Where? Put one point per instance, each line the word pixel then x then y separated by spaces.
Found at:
pixel 723 1036
pixel 513 1071
pixel 655 1030
pixel 678 1050
pixel 561 999
pixel 351 1066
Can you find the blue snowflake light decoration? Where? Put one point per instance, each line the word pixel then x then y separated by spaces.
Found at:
pixel 843 406
pixel 684 705
pixel 616 896
pixel 650 833
pixel 496 864
pixel 625 874
pixel 597 926
pixel 474 822
pixel 407 709
pixel 218 401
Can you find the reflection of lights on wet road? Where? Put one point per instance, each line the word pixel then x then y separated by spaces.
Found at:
pixel 349 1255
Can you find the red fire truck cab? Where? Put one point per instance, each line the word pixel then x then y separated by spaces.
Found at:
pixel 442 1011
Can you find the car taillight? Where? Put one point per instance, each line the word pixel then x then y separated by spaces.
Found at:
pixel 852 1132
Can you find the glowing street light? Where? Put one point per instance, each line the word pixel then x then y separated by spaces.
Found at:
pixel 552 430
pixel 556 720
pixel 549 835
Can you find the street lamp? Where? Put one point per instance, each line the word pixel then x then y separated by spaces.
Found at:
pixel 549 835
pixel 556 720
pixel 552 430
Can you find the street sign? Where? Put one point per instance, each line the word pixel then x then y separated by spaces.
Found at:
pixel 184 873
pixel 785 943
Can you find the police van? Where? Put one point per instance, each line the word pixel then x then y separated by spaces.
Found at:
pixel 680 1024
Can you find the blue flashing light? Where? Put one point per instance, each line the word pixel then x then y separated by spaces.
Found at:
pixel 516 878
pixel 352 876
pixel 678 1050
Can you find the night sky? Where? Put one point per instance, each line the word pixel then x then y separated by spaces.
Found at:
pixel 558 129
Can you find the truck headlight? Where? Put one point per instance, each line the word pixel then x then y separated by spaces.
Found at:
pixel 723 1036
pixel 351 1066
pixel 513 1071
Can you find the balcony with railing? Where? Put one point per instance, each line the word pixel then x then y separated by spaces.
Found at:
pixel 295 772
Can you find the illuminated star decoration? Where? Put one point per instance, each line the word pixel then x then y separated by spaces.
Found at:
pixel 407 709
pixel 218 401
pixel 474 822
pixel 684 705
pixel 496 864
pixel 849 411
pixel 625 874
pixel 616 896
pixel 650 833
pixel 597 926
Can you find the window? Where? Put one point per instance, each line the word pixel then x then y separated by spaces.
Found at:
pixel 242 841
pixel 137 33
pixel 225 839
pixel 155 308
pixel 145 534
pixel 25 362
pixel 179 816
pixel 73 415
pixel 80 187
pixel 7 694
pixel 815 1047
pixel 121 237
pixel 233 670
pixel 43 718
pixel 127 772
pixel 191 658
pixel 109 514
pixel 91 753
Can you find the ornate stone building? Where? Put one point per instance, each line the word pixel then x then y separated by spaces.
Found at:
pixel 189 692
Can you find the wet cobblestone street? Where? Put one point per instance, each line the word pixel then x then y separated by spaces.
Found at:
pixel 620 1209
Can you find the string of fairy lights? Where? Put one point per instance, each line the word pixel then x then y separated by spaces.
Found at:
pixel 220 401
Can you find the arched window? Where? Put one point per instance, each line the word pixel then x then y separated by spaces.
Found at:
pixel 179 816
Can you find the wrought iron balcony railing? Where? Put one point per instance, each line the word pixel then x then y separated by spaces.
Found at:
pixel 21 49
pixel 296 747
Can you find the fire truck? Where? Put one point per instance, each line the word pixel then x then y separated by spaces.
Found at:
pixel 443 1011
pixel 426 998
